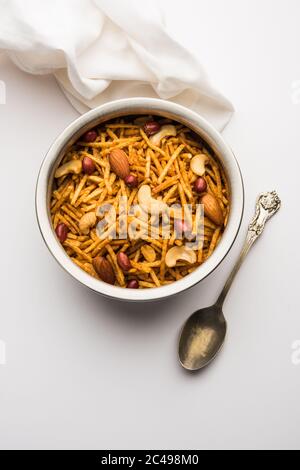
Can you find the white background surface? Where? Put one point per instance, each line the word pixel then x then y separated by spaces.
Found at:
pixel 85 372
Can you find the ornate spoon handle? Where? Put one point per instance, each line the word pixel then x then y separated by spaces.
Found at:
pixel 267 205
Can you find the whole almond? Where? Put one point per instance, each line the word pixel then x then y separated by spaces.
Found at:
pixel 104 269
pixel 212 209
pixel 119 163
pixel 124 261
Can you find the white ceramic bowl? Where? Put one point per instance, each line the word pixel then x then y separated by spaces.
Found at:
pixel 123 108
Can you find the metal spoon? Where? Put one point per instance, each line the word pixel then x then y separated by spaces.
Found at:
pixel 204 333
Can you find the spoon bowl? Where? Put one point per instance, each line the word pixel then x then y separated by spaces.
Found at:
pixel 202 337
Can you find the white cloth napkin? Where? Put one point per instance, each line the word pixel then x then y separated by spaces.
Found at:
pixel 101 50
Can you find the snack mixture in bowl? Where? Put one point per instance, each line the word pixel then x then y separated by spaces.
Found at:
pixel 158 166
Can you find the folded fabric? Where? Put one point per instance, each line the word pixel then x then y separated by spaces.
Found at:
pixel 101 50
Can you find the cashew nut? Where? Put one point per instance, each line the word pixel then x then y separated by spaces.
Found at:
pixel 180 253
pixel 198 164
pixel 147 202
pixel 73 166
pixel 165 131
pixel 86 222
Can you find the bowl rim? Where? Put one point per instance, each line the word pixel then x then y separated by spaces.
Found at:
pixel 140 106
